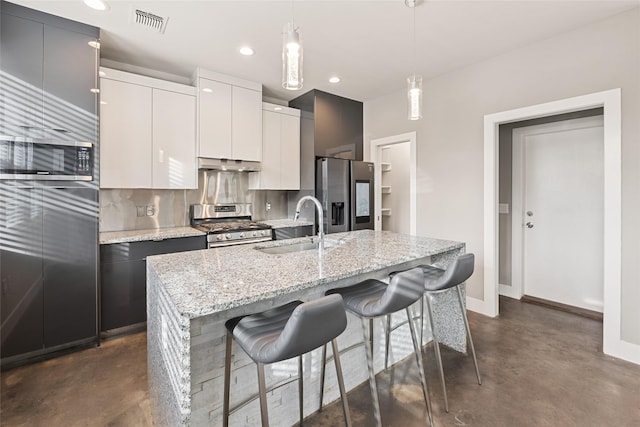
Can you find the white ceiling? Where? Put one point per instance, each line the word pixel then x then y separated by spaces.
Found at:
pixel 367 43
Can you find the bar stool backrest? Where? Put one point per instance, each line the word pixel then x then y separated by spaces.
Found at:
pixel 311 325
pixel 404 289
pixel 458 271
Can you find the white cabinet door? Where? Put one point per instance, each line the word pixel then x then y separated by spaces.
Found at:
pixel 125 135
pixel 289 152
pixel 174 140
pixel 214 122
pixel 246 124
pixel 269 175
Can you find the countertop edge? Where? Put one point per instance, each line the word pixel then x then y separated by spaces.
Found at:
pixel 130 236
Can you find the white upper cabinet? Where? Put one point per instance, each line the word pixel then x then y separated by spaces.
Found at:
pixel 229 117
pixel 280 169
pixel 147 132
pixel 214 124
pixel 246 120
pixel 125 135
pixel 174 136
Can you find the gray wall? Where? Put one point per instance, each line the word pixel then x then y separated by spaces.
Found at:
pixel 600 56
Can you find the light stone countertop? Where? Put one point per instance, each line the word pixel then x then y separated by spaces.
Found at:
pixel 283 223
pixel 146 235
pixel 208 281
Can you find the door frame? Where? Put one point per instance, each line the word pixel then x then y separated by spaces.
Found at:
pixel 517 288
pixel 611 101
pixel 376 146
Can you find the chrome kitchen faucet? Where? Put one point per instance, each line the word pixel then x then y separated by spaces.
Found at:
pixel 301 202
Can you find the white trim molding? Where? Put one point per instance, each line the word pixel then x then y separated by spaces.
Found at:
pixel 376 158
pixel 611 101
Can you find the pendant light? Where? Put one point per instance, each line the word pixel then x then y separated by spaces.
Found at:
pixel 291 56
pixel 414 82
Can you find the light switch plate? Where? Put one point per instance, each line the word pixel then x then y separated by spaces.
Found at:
pixel 503 208
pixel 141 211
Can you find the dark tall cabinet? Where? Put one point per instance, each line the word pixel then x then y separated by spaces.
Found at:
pixel 48 229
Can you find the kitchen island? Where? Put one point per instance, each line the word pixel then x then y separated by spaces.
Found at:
pixel 190 295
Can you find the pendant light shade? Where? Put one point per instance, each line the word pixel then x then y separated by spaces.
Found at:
pixel 291 58
pixel 414 97
pixel 414 82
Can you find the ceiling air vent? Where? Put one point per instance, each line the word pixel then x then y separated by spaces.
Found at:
pixel 148 20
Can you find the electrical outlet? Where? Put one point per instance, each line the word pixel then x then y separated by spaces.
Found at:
pixel 140 211
pixel 151 210
pixel 268 206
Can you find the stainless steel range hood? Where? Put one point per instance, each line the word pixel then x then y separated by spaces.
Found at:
pixel 228 165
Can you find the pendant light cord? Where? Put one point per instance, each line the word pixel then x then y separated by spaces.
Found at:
pixel 414 39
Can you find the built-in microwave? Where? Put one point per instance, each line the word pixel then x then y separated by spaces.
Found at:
pixel 44 159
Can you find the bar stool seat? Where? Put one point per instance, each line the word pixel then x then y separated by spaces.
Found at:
pixel 439 280
pixel 282 333
pixel 372 298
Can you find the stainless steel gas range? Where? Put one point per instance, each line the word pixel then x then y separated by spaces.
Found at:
pixel 228 224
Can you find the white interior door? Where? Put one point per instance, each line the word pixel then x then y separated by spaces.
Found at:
pixel 559 214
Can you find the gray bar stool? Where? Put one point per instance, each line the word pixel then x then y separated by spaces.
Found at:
pixel 283 333
pixel 439 280
pixel 371 299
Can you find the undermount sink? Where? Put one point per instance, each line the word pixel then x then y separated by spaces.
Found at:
pixel 297 247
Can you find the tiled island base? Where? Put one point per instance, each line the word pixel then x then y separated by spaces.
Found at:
pixel 186 333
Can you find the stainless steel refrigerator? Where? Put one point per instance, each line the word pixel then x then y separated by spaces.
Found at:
pixel 345 189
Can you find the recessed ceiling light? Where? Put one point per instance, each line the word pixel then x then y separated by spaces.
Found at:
pixel 207 89
pixel 277 108
pixel 246 51
pixel 334 80
pixel 103 102
pixel 94 44
pixel 97 4
pixel 94 90
pixel 102 73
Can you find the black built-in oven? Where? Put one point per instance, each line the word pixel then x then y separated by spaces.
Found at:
pixel 43 159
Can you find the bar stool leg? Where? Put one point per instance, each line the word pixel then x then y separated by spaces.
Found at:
pixel 466 325
pixel 386 342
pixel 300 390
pixel 322 371
pixel 422 320
pixel 436 348
pixel 372 375
pixel 343 393
pixel 262 387
pixel 227 380
pixel 418 353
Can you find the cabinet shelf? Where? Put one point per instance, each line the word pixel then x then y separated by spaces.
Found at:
pixel 385 167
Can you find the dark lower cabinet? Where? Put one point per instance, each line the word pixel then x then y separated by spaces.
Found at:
pixel 48 268
pixel 124 278
pixel 292 232
pixel 21 302
pixel 70 265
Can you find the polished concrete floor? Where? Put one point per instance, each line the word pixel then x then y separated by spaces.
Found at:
pixel 539 366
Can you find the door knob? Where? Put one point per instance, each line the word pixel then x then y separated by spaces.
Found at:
pixel 529 225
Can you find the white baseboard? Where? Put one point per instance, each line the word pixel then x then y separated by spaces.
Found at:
pixel 623 350
pixel 479 306
pixel 508 291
